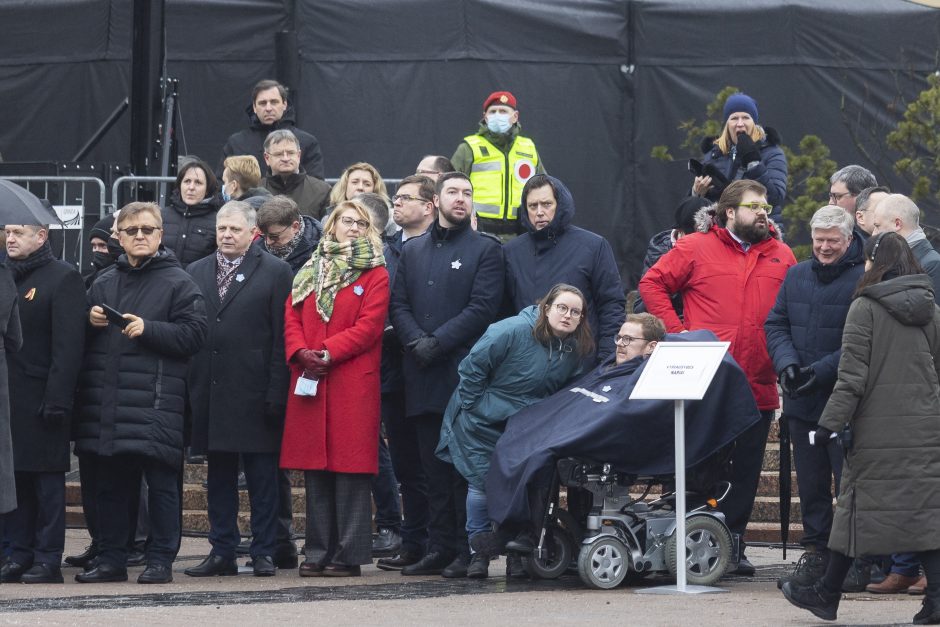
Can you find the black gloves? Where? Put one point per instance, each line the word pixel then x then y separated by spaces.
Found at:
pixel 390 341
pixel 788 379
pixel 426 350
pixel 807 381
pixel 53 417
pixel 274 415
pixel 822 437
pixel 747 149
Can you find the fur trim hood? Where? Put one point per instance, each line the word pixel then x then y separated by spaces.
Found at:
pixel 705 220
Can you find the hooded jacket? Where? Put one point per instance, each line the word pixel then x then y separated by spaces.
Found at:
pixel 726 290
pixel 132 391
pixel 564 253
pixel 805 326
pixel 251 142
pixel 888 393
pixel 189 231
pixel 506 370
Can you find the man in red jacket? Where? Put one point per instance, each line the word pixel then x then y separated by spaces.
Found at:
pixel 728 277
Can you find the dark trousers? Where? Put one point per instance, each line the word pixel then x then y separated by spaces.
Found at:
pixel 119 484
pixel 907 564
pixel 285 515
pixel 385 492
pixel 261 473
pixel 747 459
pixel 88 473
pixel 447 491
pixel 815 468
pixel 339 518
pixel 36 528
pixel 839 565
pixel 406 460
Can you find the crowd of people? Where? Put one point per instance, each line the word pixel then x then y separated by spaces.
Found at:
pixel 380 344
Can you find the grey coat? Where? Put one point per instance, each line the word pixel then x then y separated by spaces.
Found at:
pixel 12 341
pixel 888 390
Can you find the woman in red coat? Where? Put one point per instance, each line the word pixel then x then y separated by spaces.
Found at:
pixel 333 327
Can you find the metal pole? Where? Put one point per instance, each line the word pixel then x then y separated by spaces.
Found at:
pixel 104 128
pixel 680 497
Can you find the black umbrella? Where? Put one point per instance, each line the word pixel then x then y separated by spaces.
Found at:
pixel 785 482
pixel 20 206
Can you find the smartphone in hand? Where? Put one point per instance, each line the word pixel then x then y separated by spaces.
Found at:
pixel 115 317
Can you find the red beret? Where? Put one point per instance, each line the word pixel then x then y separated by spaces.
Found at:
pixel 499 97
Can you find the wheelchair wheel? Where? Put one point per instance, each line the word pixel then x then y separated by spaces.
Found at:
pixel 707 550
pixel 603 564
pixel 556 555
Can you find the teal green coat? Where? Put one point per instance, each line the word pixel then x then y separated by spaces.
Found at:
pixel 506 370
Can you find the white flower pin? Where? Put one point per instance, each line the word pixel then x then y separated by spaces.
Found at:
pixel 455 264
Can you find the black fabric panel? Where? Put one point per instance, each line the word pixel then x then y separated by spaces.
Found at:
pixel 223 30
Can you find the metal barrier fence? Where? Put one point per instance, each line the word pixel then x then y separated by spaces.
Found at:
pixel 74 198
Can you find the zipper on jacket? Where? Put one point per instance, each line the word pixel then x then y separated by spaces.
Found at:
pixel 158 385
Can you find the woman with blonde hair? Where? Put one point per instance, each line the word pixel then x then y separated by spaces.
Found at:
pixel 356 179
pixel 333 327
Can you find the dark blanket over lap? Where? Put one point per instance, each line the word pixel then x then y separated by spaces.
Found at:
pixel 636 436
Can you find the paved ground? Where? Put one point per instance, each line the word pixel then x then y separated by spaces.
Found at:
pixel 380 597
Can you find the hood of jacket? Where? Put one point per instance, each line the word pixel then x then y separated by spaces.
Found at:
pixel 209 204
pixel 564 213
pixel 705 220
pixel 909 299
pixel 771 138
pixel 287 120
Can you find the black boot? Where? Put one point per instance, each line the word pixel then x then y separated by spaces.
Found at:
pixel 83 559
pixel 810 568
pixel 929 613
pixel 814 598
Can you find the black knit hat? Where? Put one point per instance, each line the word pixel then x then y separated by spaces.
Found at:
pixel 102 228
pixel 685 213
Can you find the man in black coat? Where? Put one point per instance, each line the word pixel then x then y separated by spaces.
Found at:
pixel 132 392
pixel 238 388
pixel 43 375
pixel 269 111
pixel 555 251
pixel 448 289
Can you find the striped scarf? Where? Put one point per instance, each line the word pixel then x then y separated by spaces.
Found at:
pixel 332 267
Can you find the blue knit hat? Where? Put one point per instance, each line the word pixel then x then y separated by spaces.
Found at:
pixel 740 102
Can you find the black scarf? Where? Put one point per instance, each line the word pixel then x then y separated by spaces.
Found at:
pixel 39 258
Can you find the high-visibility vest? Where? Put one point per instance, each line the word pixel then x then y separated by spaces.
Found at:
pixel 498 178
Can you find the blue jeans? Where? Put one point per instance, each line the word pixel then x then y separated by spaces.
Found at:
pixel 907 564
pixel 478 518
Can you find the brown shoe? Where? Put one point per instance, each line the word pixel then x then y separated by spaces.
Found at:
pixel 311 569
pixel 919 587
pixel 893 584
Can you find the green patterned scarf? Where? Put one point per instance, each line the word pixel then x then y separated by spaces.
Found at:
pixel 332 267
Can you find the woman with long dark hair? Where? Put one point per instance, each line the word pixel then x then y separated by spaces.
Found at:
pixel 517 362
pixel 886 406
pixel 189 216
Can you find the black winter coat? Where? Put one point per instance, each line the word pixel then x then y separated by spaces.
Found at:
pixel 251 142
pixel 44 372
pixel 449 284
pixel 311 194
pixel 10 341
pixel 563 253
pixel 132 391
pixel 189 232
pixel 804 328
pixel 241 368
pixel 392 379
pixel 313 231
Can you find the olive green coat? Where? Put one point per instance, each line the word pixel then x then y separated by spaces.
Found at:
pixel 889 393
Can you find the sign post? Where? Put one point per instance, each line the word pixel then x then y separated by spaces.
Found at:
pixel 680 371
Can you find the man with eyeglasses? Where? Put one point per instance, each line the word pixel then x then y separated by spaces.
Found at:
pixel 285 233
pixel 846 184
pixel 270 111
pixel 728 278
pixel 282 154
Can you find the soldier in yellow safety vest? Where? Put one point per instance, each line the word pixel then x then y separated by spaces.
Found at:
pixel 498 161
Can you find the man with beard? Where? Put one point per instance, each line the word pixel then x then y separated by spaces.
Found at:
pixel 447 290
pixel 728 278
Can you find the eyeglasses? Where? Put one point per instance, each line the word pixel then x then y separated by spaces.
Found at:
pixel 132 231
pixel 838 197
pixel 348 222
pixel 756 206
pixel 284 153
pixel 407 197
pixel 565 309
pixel 275 237
pixel 626 339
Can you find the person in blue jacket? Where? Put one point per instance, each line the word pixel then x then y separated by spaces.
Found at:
pixel 555 251
pixel 517 362
pixel 745 150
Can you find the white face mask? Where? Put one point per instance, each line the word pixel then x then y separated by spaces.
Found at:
pixel 498 123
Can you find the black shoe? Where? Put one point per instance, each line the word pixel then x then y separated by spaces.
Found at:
pixel 490 542
pixel 809 568
pixel 479 567
pixel 82 559
pixel 263 566
pixel 514 567
pixel 433 563
pixel 102 573
pixel 814 598
pixel 12 571
pixel 311 569
pixel 405 558
pixel 43 573
pixel 929 613
pixel 523 544
pixel 156 573
pixel 136 557
pixel 213 566
pixel 341 570
pixel 457 569
pixel 744 567
pixel 286 556
pixel 386 543
pixel 858 577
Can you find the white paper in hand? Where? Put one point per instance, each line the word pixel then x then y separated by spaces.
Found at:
pixel 305 386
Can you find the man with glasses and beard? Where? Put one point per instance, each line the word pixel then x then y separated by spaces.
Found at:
pixel 728 277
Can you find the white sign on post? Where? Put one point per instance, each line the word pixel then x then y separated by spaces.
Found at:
pixel 680 371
